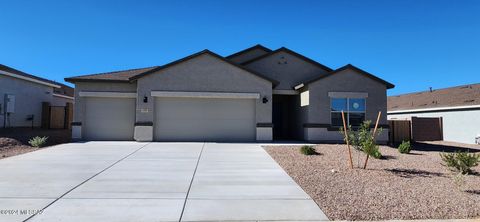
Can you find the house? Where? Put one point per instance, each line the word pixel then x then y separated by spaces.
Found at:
pixel 256 94
pixel 22 95
pixel 457 107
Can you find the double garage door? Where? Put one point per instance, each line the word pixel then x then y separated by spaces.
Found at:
pixel 175 119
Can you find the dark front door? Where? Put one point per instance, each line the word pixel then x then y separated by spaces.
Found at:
pixel 284 117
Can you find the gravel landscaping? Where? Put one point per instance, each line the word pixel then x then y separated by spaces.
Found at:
pixel 399 186
pixel 14 141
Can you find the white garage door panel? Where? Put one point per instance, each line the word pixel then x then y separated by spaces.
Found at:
pixel 200 119
pixel 109 118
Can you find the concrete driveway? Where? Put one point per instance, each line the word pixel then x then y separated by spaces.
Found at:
pixel 130 181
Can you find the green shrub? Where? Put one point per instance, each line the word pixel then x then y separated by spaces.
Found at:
pixel 363 139
pixel 38 141
pixel 405 147
pixel 308 150
pixel 460 161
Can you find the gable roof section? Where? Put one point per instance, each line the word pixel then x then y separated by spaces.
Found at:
pixel 134 74
pixel 206 51
pixel 116 76
pixel 283 49
pixel 350 66
pixel 258 46
pixel 6 70
pixel 465 95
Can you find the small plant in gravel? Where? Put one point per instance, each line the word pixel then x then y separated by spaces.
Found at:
pixel 405 147
pixel 307 150
pixel 38 141
pixel 461 162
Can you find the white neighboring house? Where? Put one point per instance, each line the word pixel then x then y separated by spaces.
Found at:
pixel 22 94
pixel 458 106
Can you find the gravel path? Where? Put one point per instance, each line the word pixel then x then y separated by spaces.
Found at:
pixel 401 186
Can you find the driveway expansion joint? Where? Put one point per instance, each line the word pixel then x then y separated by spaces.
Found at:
pixel 191 182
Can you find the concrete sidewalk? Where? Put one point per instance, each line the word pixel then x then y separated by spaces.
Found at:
pixel 129 181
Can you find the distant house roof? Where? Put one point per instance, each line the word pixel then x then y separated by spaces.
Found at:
pixel 350 66
pixel 466 95
pixel 29 77
pixel 134 74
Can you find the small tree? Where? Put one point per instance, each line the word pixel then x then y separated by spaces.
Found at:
pixel 460 162
pixel 363 140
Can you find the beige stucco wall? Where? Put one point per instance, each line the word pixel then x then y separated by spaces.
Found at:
pixel 295 71
pixel 79 107
pixel 203 74
pixel 246 56
pixel 28 100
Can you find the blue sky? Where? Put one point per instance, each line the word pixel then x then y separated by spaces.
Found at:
pixel 414 44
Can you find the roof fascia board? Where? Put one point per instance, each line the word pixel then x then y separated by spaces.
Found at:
pixel 29 79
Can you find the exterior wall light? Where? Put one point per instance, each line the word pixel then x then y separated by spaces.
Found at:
pixel 265 99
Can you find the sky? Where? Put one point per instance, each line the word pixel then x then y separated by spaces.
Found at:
pixel 414 44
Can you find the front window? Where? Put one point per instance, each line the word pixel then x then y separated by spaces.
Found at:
pixel 354 109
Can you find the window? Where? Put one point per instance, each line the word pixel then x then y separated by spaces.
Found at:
pixel 354 109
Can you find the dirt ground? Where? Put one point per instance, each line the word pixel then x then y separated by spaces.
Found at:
pixel 399 186
pixel 14 141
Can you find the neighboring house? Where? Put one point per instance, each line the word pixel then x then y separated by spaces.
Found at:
pixel 254 95
pixel 459 108
pixel 26 93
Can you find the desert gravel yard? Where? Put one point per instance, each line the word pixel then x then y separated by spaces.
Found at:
pixel 400 186
pixel 14 141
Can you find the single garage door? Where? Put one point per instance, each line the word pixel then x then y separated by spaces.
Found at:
pixel 109 118
pixel 204 119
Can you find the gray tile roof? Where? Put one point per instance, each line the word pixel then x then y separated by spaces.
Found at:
pixel 448 97
pixel 121 76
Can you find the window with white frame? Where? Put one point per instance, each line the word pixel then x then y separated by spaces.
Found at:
pixel 354 109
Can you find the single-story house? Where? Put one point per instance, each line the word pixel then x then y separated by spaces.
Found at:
pixel 22 95
pixel 458 107
pixel 256 94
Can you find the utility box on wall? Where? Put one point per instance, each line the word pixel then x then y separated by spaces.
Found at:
pixel 9 103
